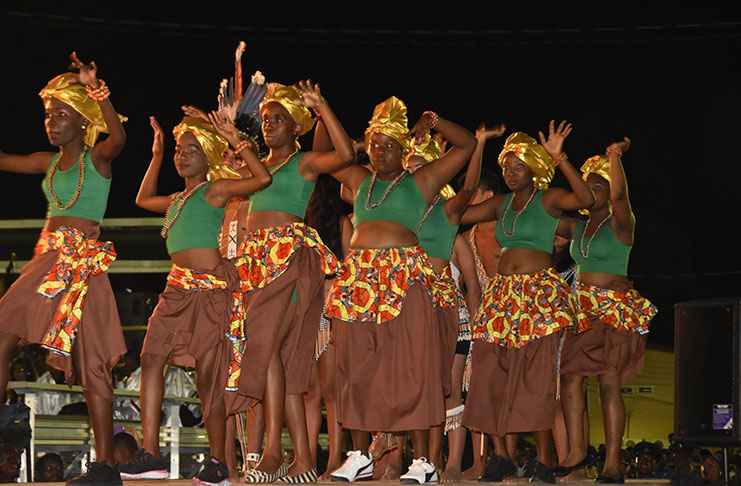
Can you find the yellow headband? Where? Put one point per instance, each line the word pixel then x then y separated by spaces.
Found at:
pixel 213 146
pixel 430 150
pixel 390 119
pixel 75 95
pixel 533 154
pixel 285 95
pixel 599 164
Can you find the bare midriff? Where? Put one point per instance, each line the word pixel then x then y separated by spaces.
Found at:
pixel 382 234
pixel 269 219
pixel 197 258
pixel 524 260
pixel 605 281
pixel 53 223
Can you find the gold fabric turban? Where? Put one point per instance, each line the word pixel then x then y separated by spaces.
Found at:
pixel 533 154
pixel 75 95
pixel 286 95
pixel 599 164
pixel 430 150
pixel 390 119
pixel 213 146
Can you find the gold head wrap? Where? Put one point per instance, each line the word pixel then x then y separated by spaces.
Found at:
pixel 390 119
pixel 533 154
pixel 430 150
pixel 213 146
pixel 599 164
pixel 285 95
pixel 75 95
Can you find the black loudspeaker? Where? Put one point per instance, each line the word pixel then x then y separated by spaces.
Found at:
pixel 707 396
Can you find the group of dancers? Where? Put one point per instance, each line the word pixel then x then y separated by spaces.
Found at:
pixel 255 294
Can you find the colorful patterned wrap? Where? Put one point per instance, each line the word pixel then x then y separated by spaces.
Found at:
pixel 79 259
pixel 263 257
pixel 520 308
pixel 625 311
pixel 444 291
pixel 374 281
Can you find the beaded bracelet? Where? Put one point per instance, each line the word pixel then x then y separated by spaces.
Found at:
pixel 562 156
pixel 102 92
pixel 434 116
pixel 614 150
pixel 243 144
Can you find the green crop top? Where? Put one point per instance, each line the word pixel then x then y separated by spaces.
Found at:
pixel 93 199
pixel 535 228
pixel 197 225
pixel 437 235
pixel 289 192
pixel 404 205
pixel 605 253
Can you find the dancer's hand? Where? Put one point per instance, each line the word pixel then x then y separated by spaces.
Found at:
pixel 422 128
pixel 556 137
pixel 483 133
pixel 223 126
pixel 622 146
pixel 195 112
pixel 311 96
pixel 88 75
pixel 442 142
pixel 159 137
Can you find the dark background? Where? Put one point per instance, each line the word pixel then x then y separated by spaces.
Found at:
pixel 666 78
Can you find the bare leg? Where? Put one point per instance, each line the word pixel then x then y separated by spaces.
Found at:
pixel 8 342
pixel 152 390
pixel 613 413
pixel 360 441
pixel 328 383
pixel 393 459
pixel 572 404
pixel 420 442
pixel 543 444
pixel 255 425
pixel 274 401
pixel 511 443
pixel 456 437
pixel 230 448
pixel 313 405
pixel 500 445
pixel 296 423
pixel 479 457
pixel 436 445
pixel 216 421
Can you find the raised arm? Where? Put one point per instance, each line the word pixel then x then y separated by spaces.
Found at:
pixel 621 209
pixel 556 199
pixel 467 265
pixel 322 142
pixel 222 190
pixel 484 211
pixel 35 163
pixel 107 150
pixel 315 163
pixel 147 197
pixel 433 176
pixel 456 206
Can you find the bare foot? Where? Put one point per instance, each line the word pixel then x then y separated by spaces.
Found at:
pixel 295 469
pixel 269 464
pixel 473 473
pixel 453 475
pixel 392 474
pixel 574 476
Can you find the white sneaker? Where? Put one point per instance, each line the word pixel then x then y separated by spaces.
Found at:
pixel 420 472
pixel 356 466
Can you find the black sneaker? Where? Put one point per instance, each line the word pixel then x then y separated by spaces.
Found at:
pixel 144 466
pixel 98 474
pixel 213 473
pixel 497 469
pixel 542 474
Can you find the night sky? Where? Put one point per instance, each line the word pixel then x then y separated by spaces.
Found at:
pixel 668 80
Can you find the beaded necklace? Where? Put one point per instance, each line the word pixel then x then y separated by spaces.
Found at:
pixel 585 253
pixel 277 168
pixel 177 199
pixel 390 188
pixel 427 213
pixel 80 179
pixel 517 215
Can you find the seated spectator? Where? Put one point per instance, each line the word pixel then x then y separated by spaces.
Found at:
pixel 647 458
pixel 49 469
pixel 10 469
pixel 124 447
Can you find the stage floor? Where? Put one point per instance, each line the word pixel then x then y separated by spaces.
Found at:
pixel 631 482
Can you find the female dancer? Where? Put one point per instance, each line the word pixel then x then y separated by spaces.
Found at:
pixel 618 315
pixel 438 237
pixel 62 299
pixel 388 339
pixel 193 315
pixel 515 351
pixel 283 263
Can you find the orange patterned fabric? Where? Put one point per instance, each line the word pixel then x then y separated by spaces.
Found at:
pixel 79 259
pixel 520 308
pixel 445 289
pixel 374 281
pixel 625 311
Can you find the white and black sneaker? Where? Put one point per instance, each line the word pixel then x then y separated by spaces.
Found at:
pixel 420 472
pixel 357 466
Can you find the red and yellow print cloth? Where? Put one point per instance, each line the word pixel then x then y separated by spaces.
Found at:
pixel 78 260
pixel 374 281
pixel 625 311
pixel 444 292
pixel 189 279
pixel 520 308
